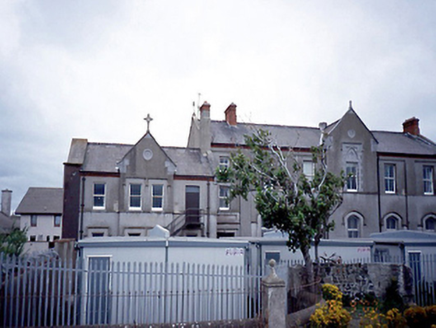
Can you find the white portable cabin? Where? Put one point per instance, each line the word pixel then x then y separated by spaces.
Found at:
pixel 152 279
pixel 167 250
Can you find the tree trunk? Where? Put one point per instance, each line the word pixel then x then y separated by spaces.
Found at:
pixel 309 268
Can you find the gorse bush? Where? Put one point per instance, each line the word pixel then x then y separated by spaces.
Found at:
pixel 331 292
pixel 417 316
pixel 331 314
pixel 395 319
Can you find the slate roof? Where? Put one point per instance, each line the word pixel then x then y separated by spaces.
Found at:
pixel 189 161
pixel 102 157
pixel 41 201
pixel 403 143
pixel 293 136
pixel 305 137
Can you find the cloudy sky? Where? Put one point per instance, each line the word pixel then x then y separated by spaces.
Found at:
pixel 94 69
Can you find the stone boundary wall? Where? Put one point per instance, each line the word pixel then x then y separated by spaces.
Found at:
pixel 357 279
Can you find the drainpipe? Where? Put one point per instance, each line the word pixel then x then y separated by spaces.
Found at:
pixel 166 250
pixel 82 205
pixel 406 195
pixel 208 210
pixel 378 194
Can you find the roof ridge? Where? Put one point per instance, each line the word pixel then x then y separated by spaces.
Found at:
pixel 110 143
pixel 270 124
pixel 180 147
pixel 45 188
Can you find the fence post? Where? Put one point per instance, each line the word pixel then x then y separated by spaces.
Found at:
pixel 273 299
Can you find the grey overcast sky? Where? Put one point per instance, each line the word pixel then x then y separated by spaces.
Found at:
pixel 94 69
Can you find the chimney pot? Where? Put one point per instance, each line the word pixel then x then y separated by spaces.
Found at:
pixel 411 126
pixel 205 110
pixel 231 115
pixel 322 125
pixel 205 106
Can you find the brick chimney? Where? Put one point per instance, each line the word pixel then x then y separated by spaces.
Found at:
pixel 411 126
pixel 205 110
pixel 205 134
pixel 231 114
pixel 6 202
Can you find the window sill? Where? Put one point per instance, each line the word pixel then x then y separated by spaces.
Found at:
pixel 99 208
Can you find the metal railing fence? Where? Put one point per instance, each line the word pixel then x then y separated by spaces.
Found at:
pixel 49 292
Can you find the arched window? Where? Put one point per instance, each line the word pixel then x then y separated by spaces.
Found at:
pixel 353 226
pixel 392 222
pixel 430 223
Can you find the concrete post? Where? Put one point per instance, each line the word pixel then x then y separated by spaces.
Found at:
pixel 274 299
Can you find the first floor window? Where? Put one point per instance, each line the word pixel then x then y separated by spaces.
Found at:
pixel 57 221
pixel 353 226
pixel 391 223
pixel 390 178
pixel 135 196
pixel 308 170
pixel 33 220
pixel 223 198
pixel 351 175
pixel 99 195
pixel 157 197
pixel 428 180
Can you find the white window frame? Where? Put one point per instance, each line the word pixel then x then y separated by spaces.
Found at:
pixel 309 170
pixel 153 196
pixel 33 218
pixel 354 230
pixel 397 222
pixel 95 195
pixel 223 199
pixel 98 230
pixel 427 179
pixel 135 208
pixel 390 178
pixel 54 220
pixel 134 230
pixel 224 162
pixel 355 176
pixel 426 219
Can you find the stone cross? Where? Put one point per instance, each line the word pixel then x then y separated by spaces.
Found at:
pixel 148 119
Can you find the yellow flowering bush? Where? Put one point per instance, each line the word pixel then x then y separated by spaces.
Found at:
pixel 395 319
pixel 416 316
pixel 331 292
pixel 331 314
pixel 431 314
pixel 373 319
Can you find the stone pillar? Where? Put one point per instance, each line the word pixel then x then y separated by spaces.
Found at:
pixel 274 299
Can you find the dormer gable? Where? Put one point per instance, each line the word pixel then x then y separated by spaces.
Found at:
pixel 147 159
pixel 351 129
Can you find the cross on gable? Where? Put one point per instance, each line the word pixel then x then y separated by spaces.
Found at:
pixel 148 119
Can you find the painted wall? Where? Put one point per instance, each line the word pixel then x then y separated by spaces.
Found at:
pixel 44 227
